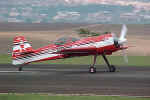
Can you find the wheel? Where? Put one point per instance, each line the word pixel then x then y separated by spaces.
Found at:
pixel 92 70
pixel 112 68
pixel 20 69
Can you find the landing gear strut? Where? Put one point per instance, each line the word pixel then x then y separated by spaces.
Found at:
pixel 112 68
pixel 20 68
pixel 92 69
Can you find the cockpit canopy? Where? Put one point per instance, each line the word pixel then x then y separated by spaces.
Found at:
pixel 64 40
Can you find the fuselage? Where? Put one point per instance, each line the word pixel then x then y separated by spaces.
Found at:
pixel 83 47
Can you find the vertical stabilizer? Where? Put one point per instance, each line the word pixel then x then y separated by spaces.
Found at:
pixel 20 47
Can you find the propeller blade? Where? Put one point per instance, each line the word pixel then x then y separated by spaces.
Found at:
pixel 123 32
pixel 125 56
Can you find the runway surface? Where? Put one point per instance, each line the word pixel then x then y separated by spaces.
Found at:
pixel 75 79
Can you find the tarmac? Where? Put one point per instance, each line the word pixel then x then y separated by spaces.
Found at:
pixel 75 79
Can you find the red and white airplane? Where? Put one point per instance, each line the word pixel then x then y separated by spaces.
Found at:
pixel 106 44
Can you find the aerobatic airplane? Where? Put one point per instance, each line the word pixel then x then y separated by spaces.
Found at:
pixel 106 44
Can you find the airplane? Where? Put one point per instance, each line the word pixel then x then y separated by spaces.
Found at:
pixel 103 45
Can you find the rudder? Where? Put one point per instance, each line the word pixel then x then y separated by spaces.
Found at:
pixel 20 47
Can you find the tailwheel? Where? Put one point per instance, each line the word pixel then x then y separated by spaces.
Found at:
pixel 92 69
pixel 112 68
pixel 20 69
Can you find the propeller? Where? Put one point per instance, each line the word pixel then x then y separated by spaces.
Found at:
pixel 120 42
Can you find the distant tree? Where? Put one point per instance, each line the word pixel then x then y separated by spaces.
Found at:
pixel 85 32
pixel 94 34
pixel 106 32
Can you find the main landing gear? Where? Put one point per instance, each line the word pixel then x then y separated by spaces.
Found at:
pixel 92 69
pixel 112 68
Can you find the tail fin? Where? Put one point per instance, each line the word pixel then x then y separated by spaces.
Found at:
pixel 20 47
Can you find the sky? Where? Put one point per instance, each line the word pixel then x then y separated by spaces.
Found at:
pixel 76 11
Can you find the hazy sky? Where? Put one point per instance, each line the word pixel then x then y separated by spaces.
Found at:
pixel 76 11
